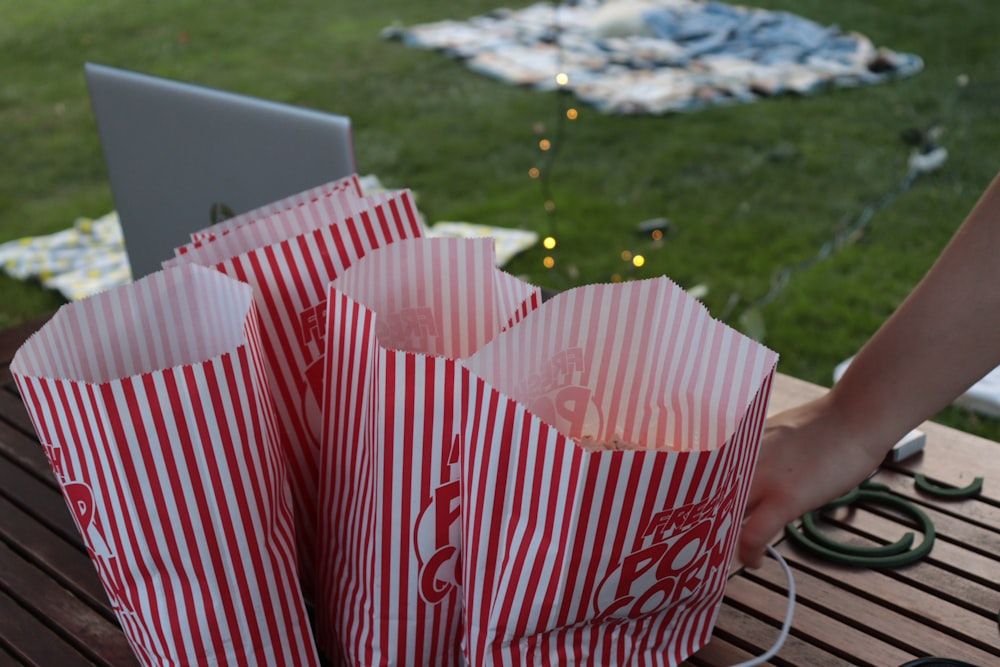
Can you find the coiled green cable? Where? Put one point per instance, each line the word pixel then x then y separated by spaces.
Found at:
pixel 897 554
pixel 928 487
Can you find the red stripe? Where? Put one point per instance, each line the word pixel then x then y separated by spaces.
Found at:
pixel 621 377
pixel 563 532
pixel 197 584
pixel 399 492
pixel 311 291
pixel 357 624
pixel 495 539
pixel 324 259
pixel 591 465
pixel 474 490
pixel 266 462
pixel 220 405
pixel 713 418
pixel 383 225
pixel 352 230
pixel 108 480
pixel 131 484
pixel 217 398
pixel 275 348
pixel 336 464
pixel 337 236
pixel 422 488
pixel 70 449
pixel 390 394
pixel 411 215
pixel 528 566
pixel 278 351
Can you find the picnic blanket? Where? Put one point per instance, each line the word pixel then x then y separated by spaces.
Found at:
pixel 659 56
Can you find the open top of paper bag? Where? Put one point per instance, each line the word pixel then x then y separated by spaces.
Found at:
pixel 442 297
pixel 349 185
pixel 337 208
pixel 169 318
pixel 637 365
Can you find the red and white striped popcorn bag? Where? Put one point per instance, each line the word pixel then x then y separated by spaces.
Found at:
pixel 344 189
pixel 604 476
pixel 389 530
pixel 157 419
pixel 289 258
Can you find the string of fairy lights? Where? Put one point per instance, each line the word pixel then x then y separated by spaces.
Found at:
pixel 548 146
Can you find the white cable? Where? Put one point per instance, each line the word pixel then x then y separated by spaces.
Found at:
pixel 789 613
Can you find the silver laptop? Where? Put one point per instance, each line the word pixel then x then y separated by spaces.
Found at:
pixel 181 157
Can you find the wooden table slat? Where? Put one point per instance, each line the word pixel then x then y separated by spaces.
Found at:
pixel 818 628
pixel 721 652
pixel 8 660
pixel 26 453
pixel 32 641
pixel 102 642
pixel 745 627
pixel 883 588
pixel 864 609
pixel 39 500
pixel 61 560
pixel 13 414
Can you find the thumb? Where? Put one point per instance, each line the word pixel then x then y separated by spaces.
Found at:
pixel 759 529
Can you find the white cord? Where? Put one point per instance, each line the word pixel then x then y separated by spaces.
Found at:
pixel 789 612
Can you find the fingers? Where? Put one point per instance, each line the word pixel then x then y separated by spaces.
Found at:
pixel 759 529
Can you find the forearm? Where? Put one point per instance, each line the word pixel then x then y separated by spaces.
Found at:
pixel 941 340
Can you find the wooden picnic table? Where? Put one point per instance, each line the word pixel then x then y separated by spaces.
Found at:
pixel 54 612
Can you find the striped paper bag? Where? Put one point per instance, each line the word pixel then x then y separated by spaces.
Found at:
pixel 226 240
pixel 158 423
pixel 604 474
pixel 349 187
pixel 389 531
pixel 289 258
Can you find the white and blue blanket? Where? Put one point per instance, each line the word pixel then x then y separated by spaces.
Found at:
pixel 658 56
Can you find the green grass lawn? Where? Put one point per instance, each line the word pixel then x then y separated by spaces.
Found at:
pixel 749 189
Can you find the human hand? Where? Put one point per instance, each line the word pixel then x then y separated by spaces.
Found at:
pixel 809 455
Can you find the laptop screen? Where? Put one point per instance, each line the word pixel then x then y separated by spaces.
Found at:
pixel 181 157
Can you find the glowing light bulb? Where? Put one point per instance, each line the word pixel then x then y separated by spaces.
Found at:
pixel 549 242
pixel 545 144
pixel 572 114
pixel 562 78
pixel 657 235
pixel 638 261
pixel 533 172
pixel 548 262
pixel 626 255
